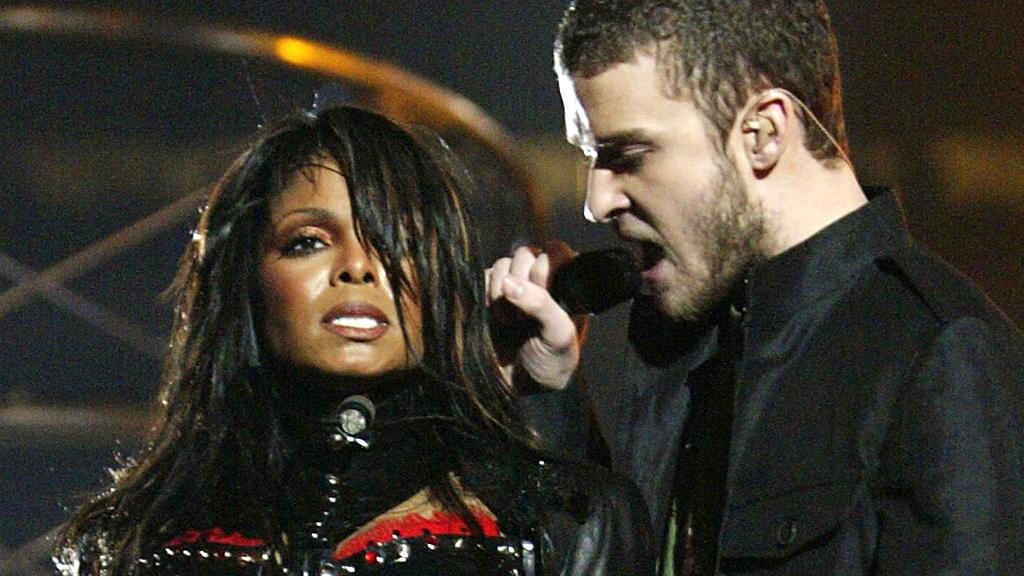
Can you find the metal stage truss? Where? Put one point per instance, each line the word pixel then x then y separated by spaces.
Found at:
pixel 397 92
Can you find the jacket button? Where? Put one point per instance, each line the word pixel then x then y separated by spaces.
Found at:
pixel 786 533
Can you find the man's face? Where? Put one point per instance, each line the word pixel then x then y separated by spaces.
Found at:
pixel 658 176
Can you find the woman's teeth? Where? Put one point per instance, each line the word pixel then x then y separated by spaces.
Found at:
pixel 360 322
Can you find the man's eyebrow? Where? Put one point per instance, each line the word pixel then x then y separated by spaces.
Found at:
pixel 620 139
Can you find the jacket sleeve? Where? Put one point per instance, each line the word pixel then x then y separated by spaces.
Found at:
pixel 951 494
pixel 615 538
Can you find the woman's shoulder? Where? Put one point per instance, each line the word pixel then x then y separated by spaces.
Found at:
pixel 209 550
pixel 194 551
pixel 596 498
pixel 594 520
pixel 551 484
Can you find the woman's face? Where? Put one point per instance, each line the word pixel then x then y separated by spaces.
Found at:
pixel 329 307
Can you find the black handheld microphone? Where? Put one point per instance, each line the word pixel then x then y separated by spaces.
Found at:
pixel 595 281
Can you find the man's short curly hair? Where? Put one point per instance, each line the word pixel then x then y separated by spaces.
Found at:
pixel 717 51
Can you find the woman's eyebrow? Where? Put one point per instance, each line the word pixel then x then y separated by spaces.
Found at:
pixel 319 213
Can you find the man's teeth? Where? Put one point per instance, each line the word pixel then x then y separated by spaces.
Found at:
pixel 361 322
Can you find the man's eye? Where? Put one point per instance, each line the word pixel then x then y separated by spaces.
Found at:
pixel 622 160
pixel 302 245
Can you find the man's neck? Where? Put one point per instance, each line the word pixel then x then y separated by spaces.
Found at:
pixel 807 198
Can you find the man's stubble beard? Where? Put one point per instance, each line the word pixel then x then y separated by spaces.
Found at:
pixel 731 236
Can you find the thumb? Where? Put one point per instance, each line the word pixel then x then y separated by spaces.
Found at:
pixel 556 327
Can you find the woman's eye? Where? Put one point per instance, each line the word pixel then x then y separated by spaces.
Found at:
pixel 302 245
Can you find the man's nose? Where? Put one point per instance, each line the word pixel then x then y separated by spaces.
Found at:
pixel 605 198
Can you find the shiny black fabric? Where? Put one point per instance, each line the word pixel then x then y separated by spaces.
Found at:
pixel 878 417
pixel 556 517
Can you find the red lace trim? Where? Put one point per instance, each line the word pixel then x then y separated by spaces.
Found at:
pixel 412 525
pixel 215 536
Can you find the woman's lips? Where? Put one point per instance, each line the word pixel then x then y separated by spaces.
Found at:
pixel 356 321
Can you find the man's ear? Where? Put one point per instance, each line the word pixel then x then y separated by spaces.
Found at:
pixel 765 129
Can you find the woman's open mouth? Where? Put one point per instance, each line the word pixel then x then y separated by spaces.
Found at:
pixel 357 321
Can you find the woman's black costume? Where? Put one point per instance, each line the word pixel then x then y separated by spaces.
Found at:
pixel 359 507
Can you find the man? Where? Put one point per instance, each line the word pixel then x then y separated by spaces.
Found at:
pixel 801 389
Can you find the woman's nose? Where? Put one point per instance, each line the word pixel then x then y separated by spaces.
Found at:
pixel 355 265
pixel 348 277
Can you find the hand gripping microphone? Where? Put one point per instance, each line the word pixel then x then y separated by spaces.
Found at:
pixel 596 281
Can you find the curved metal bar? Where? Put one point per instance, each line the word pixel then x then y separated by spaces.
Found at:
pixel 107 321
pixel 99 252
pixel 436 105
pixel 442 107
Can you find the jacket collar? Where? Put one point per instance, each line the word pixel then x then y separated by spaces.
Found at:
pixel 779 288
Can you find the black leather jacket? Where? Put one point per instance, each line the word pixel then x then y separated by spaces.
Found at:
pixel 553 516
pixel 879 422
pixel 588 524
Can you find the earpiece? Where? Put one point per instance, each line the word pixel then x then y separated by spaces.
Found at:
pixel 765 130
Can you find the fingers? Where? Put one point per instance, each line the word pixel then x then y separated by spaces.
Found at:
pixel 493 278
pixel 556 328
pixel 549 351
pixel 524 264
pixel 539 272
pixel 522 280
pixel 550 356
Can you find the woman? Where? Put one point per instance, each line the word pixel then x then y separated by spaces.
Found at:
pixel 331 401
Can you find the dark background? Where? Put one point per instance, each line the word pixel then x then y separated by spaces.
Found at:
pixel 95 135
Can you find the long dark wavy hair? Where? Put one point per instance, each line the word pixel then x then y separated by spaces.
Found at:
pixel 218 429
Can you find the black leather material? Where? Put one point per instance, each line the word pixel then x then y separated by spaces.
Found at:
pixel 576 519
